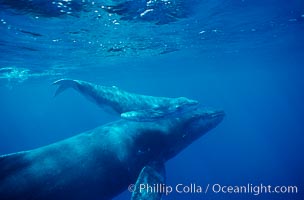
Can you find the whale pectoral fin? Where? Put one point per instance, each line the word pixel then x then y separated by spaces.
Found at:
pixel 149 177
pixel 64 84
pixel 143 115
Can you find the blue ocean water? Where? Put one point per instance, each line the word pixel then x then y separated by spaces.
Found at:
pixel 243 56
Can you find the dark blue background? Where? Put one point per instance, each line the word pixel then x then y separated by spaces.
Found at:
pixel 252 69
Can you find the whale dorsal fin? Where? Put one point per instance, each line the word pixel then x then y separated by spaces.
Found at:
pixel 150 175
pixel 144 115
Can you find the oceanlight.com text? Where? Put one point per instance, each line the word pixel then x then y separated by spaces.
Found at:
pixel 254 189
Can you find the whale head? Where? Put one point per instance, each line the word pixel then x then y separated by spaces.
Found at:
pixel 182 102
pixel 200 121
pixel 190 126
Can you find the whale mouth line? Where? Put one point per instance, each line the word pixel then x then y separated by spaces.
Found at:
pixel 217 114
pixel 208 112
pixel 214 115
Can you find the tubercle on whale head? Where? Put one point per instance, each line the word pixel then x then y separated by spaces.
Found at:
pixel 181 101
pixel 183 104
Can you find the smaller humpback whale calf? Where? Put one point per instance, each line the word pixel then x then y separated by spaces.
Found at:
pixel 103 162
pixel 130 106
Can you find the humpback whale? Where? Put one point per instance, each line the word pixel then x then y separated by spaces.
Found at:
pixel 101 163
pixel 131 106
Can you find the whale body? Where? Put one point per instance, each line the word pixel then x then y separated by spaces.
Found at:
pixel 128 105
pixel 101 163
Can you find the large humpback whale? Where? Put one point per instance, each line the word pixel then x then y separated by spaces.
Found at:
pixel 101 163
pixel 129 105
